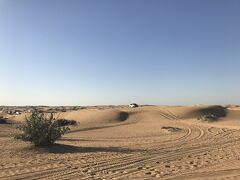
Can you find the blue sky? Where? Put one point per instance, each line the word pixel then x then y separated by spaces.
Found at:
pixel 82 52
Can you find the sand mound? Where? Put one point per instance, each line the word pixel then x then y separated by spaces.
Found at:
pixel 93 116
pixel 233 114
pixel 211 113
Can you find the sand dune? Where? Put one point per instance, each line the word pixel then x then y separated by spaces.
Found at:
pixel 162 142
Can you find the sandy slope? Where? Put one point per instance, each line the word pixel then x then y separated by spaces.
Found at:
pixel 122 143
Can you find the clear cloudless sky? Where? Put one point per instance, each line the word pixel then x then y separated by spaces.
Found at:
pixel 93 52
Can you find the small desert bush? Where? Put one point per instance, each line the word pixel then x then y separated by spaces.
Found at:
pixel 40 130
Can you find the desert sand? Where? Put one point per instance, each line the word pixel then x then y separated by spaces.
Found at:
pixel 161 142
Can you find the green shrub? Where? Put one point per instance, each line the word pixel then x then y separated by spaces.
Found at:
pixel 40 130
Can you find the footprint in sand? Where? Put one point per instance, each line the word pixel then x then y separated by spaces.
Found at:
pixel 167 166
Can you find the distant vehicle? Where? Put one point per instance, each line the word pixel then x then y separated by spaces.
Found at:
pixel 17 112
pixel 133 105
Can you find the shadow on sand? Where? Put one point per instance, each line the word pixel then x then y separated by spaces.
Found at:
pixel 4 120
pixel 99 127
pixel 62 149
pixel 123 116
